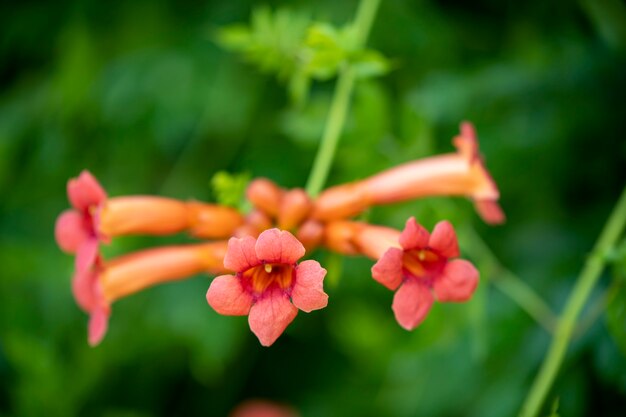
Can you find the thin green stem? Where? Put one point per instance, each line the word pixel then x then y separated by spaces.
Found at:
pixel 516 289
pixel 567 322
pixel 340 104
pixel 364 19
pixel 510 284
pixel 332 132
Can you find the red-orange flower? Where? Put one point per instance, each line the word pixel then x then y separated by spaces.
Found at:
pixel 262 408
pixel 423 268
pixel 267 278
pixel 75 229
pixel 462 173
pixel 96 218
pixel 95 288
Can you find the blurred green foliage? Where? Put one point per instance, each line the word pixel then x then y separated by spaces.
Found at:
pixel 139 93
pixel 298 50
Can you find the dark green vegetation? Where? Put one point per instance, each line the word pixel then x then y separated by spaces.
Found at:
pixel 138 92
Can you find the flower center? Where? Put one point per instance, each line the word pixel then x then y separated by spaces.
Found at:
pixel 261 277
pixel 422 263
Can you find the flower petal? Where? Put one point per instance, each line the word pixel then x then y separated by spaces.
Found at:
pixel 270 316
pixel 70 231
pixel 467 143
pixel 388 269
pixel 262 408
pixel 308 291
pixel 240 254
pixel 86 254
pixel 411 304
pixel 85 191
pixel 278 246
pixel 98 325
pixel 83 288
pixel 457 281
pixel 490 211
pixel 444 241
pixel 414 235
pixel 228 297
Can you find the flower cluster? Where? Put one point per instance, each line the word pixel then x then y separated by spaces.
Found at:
pixel 257 254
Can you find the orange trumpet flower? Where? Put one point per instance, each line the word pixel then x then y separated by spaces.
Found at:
pixel 96 288
pixel 457 174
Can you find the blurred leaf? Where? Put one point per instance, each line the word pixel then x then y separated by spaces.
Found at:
pixel 609 17
pixel 325 51
pixel 304 125
pixel 272 41
pixel 328 49
pixel 230 189
pixel 334 265
pixel 370 63
pixel 299 85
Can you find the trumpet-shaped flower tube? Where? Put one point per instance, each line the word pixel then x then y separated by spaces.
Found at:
pixel 457 174
pixel 269 285
pixel 151 215
pixel 96 218
pixel 97 287
pixel 420 267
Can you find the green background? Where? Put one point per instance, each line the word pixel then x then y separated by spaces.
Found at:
pixel 139 93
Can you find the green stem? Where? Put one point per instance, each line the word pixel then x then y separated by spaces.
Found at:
pixel 517 290
pixel 567 322
pixel 340 104
pixel 364 19
pixel 510 284
pixel 332 132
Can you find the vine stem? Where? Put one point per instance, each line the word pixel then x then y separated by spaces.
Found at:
pixel 567 321
pixel 510 284
pixel 341 102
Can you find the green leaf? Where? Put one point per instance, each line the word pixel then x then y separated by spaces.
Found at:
pixel 236 37
pixel 273 40
pixel 370 63
pixel 325 54
pixel 229 189
pixel 299 86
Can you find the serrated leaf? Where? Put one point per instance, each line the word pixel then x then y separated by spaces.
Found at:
pixel 273 41
pixel 324 52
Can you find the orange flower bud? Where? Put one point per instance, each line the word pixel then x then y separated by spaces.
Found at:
pixel 211 221
pixel 339 236
pixel 295 205
pixel 341 201
pixel 265 195
pixel 311 234
pixel 259 221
